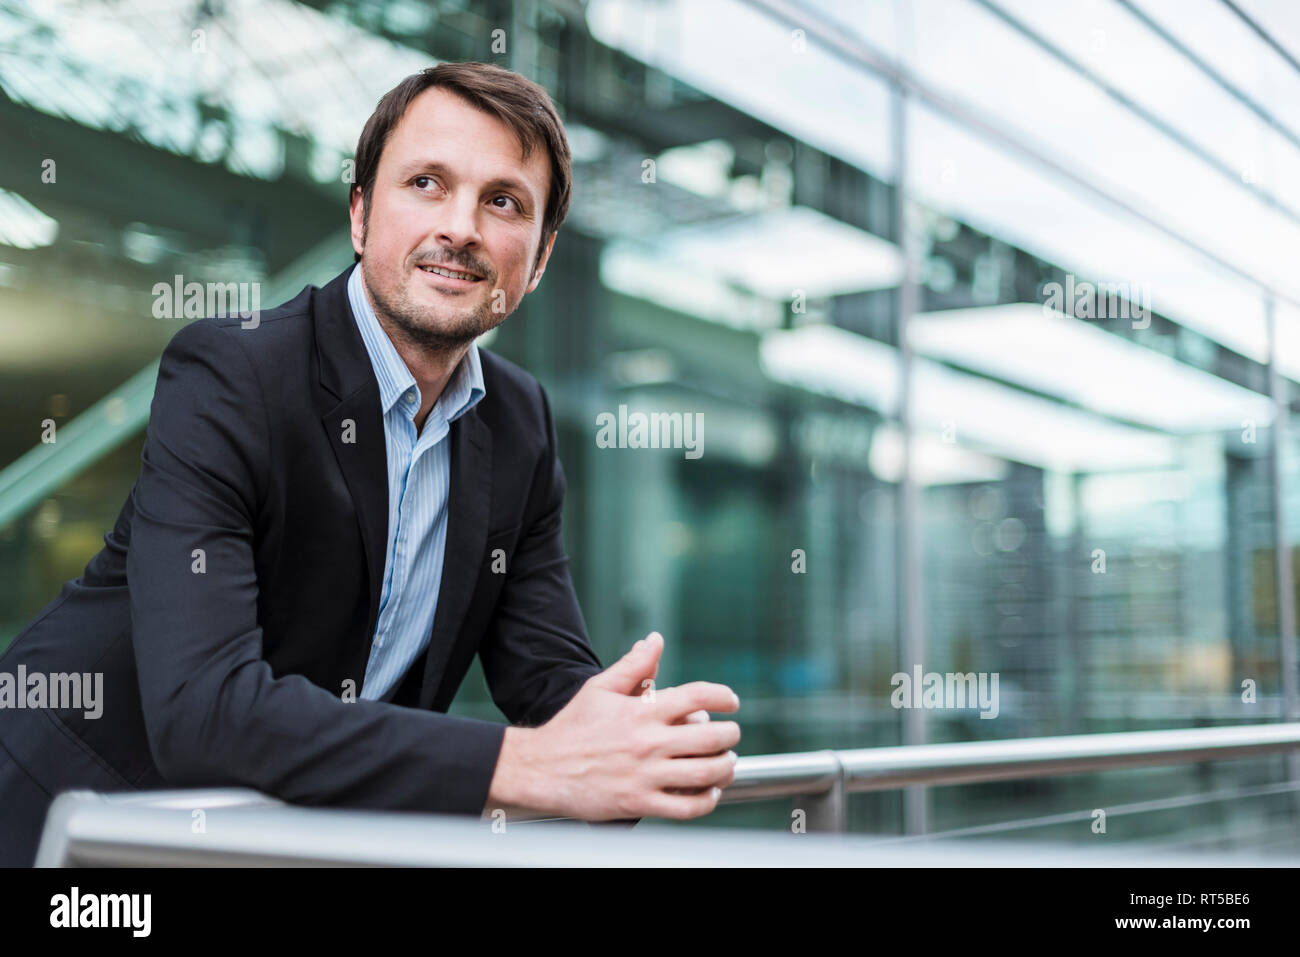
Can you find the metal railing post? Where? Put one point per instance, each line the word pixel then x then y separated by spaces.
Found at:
pixel 826 809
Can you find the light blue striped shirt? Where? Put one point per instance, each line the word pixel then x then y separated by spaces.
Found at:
pixel 419 479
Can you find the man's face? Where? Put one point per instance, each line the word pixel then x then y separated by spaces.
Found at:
pixel 452 190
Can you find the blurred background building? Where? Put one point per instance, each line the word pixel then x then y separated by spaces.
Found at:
pixel 991 308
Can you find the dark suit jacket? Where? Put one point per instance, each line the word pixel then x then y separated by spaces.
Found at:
pixel 227 666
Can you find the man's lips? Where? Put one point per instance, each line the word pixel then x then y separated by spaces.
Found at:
pixel 453 273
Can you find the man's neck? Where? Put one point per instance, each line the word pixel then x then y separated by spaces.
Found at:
pixel 432 369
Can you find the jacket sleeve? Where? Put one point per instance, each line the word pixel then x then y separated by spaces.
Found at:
pixel 214 712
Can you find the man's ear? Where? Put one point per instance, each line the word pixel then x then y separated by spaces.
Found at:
pixel 357 213
pixel 541 265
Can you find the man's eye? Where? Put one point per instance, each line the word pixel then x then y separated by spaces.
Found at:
pixel 511 198
pixel 422 179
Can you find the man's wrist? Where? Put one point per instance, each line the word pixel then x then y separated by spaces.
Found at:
pixel 512 788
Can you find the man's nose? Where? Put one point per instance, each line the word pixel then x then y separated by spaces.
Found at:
pixel 458 222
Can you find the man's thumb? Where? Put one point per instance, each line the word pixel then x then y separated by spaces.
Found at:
pixel 641 662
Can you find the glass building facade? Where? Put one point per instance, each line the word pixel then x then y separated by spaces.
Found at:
pixel 989 312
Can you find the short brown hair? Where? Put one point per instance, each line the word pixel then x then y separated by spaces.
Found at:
pixel 515 100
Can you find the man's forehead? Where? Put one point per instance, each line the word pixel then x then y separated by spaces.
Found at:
pixel 433 132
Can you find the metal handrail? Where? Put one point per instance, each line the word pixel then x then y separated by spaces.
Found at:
pixel 880 769
pixel 146 827
pixel 86 829
pixel 825 777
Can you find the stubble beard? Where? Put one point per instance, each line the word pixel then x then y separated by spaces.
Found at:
pixel 420 325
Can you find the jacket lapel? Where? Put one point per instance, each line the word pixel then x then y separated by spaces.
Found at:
pixel 468 510
pixel 348 404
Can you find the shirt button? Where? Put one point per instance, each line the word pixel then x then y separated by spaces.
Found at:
pixel 410 398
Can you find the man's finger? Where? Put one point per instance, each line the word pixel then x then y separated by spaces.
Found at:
pixel 640 664
pixel 691 773
pixel 701 739
pixel 677 702
pixel 681 806
pixel 695 717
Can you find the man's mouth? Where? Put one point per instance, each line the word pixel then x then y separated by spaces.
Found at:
pixel 450 273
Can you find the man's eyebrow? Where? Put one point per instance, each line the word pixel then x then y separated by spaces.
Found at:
pixel 433 166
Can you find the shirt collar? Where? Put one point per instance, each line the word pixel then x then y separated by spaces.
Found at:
pixel 463 390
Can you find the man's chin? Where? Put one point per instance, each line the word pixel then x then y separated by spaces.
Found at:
pixel 433 329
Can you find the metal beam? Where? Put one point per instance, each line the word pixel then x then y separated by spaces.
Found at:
pixel 855 51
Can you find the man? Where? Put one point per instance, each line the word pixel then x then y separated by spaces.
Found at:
pixel 339 505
